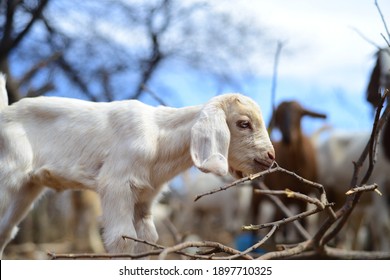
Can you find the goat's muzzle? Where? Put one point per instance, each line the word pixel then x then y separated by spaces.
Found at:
pixel 264 163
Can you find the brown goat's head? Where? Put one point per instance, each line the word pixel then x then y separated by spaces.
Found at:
pixel 379 78
pixel 287 118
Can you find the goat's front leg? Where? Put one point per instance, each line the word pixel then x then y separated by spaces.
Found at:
pixel 118 220
pixel 144 226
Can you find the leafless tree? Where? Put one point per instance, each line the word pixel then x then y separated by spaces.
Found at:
pixel 105 50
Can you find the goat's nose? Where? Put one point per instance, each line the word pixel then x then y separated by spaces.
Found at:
pixel 271 155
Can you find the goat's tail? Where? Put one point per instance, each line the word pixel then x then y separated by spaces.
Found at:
pixel 3 93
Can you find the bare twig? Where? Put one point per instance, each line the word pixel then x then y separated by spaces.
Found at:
pixel 164 251
pixel 34 69
pixel 143 241
pixel 153 94
pixel 301 230
pixel 301 247
pixel 279 47
pixel 9 42
pixel 177 237
pixel 184 245
pixel 384 24
pixel 335 253
pixel 345 211
pixel 377 127
pixel 272 169
pixel 55 256
pixel 282 221
pixel 253 247
pixel 365 38
pixel 41 90
pixel 365 188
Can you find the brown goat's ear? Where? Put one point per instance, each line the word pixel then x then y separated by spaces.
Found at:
pixel 313 114
pixel 271 124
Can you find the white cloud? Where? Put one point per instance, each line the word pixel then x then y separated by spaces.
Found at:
pixel 327 51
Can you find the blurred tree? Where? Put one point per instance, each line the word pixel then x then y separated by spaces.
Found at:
pixel 111 49
pixel 15 25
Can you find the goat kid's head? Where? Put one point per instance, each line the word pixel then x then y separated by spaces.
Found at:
pixel 230 135
pixel 287 117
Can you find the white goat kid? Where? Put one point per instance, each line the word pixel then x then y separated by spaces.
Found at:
pixel 123 150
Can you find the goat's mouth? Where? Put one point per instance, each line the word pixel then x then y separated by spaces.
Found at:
pixel 236 173
pixel 258 165
pixel 264 164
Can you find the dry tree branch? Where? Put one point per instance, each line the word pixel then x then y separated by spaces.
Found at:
pixel 301 247
pixel 29 74
pixel 372 144
pixel 301 230
pixel 10 41
pixel 145 88
pixel 237 182
pixel 335 253
pixel 143 241
pixel 274 82
pixel 253 247
pixel 320 204
pixel 221 248
pixel 384 24
pixel 41 90
pixel 345 211
pixel 177 237
pixel 365 38
pixel 283 221
pixel 274 168
pixel 365 188
pixel 160 251
pixel 55 256
pixel 164 251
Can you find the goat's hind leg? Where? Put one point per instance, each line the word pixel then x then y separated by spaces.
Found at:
pixel 15 203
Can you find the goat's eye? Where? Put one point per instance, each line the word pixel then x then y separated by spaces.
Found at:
pixel 244 124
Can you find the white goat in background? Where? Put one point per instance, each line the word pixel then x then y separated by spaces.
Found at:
pixel 124 150
pixel 336 155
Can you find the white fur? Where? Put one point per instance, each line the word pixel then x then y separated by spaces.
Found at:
pixel 123 150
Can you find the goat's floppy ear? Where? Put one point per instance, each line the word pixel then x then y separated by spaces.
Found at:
pixel 210 138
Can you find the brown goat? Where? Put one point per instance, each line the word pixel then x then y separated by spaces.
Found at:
pixel 294 152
